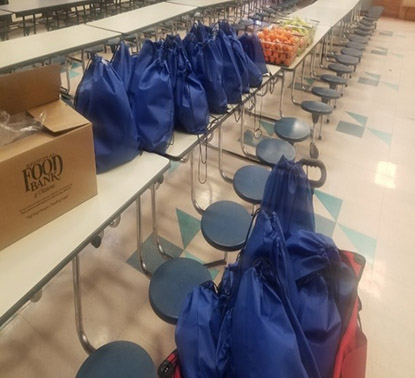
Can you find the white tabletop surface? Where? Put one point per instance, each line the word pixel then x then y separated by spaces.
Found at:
pixel 339 4
pixel 201 3
pixel 34 6
pixel 326 16
pixel 38 46
pixel 5 13
pixel 26 264
pixel 142 18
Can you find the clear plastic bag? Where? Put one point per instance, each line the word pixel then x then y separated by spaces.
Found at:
pixel 18 126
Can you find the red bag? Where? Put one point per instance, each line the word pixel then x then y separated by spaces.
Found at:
pixel 170 367
pixel 351 356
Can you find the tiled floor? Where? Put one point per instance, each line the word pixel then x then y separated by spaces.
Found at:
pixel 367 205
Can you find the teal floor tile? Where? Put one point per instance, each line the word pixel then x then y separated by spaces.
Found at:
pixel 213 272
pixel 364 244
pixel 268 126
pixel 173 166
pixel 73 74
pixel 391 85
pixel 189 226
pixel 358 117
pixel 332 204
pixel 379 52
pixel 386 33
pixel 397 55
pixel 373 75
pixel 350 128
pixel 324 225
pixel 372 82
pixel 386 137
pixel 151 256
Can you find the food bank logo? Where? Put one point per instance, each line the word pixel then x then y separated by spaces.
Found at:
pixel 43 171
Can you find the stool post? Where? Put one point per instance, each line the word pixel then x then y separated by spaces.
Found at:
pixel 195 204
pixel 220 156
pixel 86 345
pixel 140 237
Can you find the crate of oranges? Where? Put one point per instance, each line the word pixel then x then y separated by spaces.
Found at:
pixel 280 45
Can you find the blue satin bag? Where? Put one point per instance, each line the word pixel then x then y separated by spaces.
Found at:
pixel 191 109
pixel 253 48
pixel 122 63
pixel 288 193
pixel 267 340
pixel 101 98
pixel 232 81
pixel 317 267
pixel 207 63
pixel 151 98
pixel 239 54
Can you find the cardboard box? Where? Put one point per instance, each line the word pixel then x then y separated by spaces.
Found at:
pixel 48 173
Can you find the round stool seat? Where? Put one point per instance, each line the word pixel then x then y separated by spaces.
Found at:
pixel 358 38
pixel 262 14
pixel 291 129
pixel 355 46
pixel 113 42
pixel 238 27
pixel 121 359
pixel 255 17
pixel 367 22
pixel 276 7
pixel 246 23
pixel 347 60
pixel 94 49
pixel 351 52
pixel 170 284
pixel 225 225
pixel 316 107
pixel 130 38
pixel 270 151
pixel 362 33
pixel 325 93
pixel 269 10
pixel 333 79
pixel 368 28
pixel 340 68
pixel 249 183
pixel 369 19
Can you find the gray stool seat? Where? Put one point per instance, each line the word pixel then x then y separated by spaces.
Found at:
pixel 171 283
pixel 316 107
pixel 238 27
pixel 225 225
pixel 340 68
pixel 333 79
pixel 369 28
pixel 121 359
pixel 249 183
pixel 362 33
pixel 94 49
pixel 246 23
pixel 355 45
pixel 325 93
pixel 269 10
pixel 352 52
pixel 255 17
pixel 347 60
pixel 367 22
pixel 291 129
pixel 113 42
pixel 358 38
pixel 262 14
pixel 270 151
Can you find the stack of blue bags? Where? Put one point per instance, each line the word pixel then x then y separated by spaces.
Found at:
pixel 135 102
pixel 280 311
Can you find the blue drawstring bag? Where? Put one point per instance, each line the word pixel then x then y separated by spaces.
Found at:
pixel 288 193
pixel 267 340
pixel 101 97
pixel 316 263
pixel 122 63
pixel 207 63
pixel 241 59
pixel 232 81
pixel 151 98
pixel 253 48
pixel 191 109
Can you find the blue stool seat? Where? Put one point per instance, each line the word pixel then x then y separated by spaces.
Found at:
pixel 316 108
pixel 94 49
pixel 255 17
pixel 269 10
pixel 340 68
pixel 121 359
pixel 325 93
pixel 362 33
pixel 347 60
pixel 291 129
pixel 358 38
pixel 369 28
pixel 170 284
pixel 270 151
pixel 352 52
pixel 366 22
pixel 249 183
pixel 355 46
pixel 333 80
pixel 246 23
pixel 225 225
pixel 262 14
pixel 113 42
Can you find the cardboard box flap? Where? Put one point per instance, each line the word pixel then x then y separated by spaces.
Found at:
pixel 59 116
pixel 27 89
